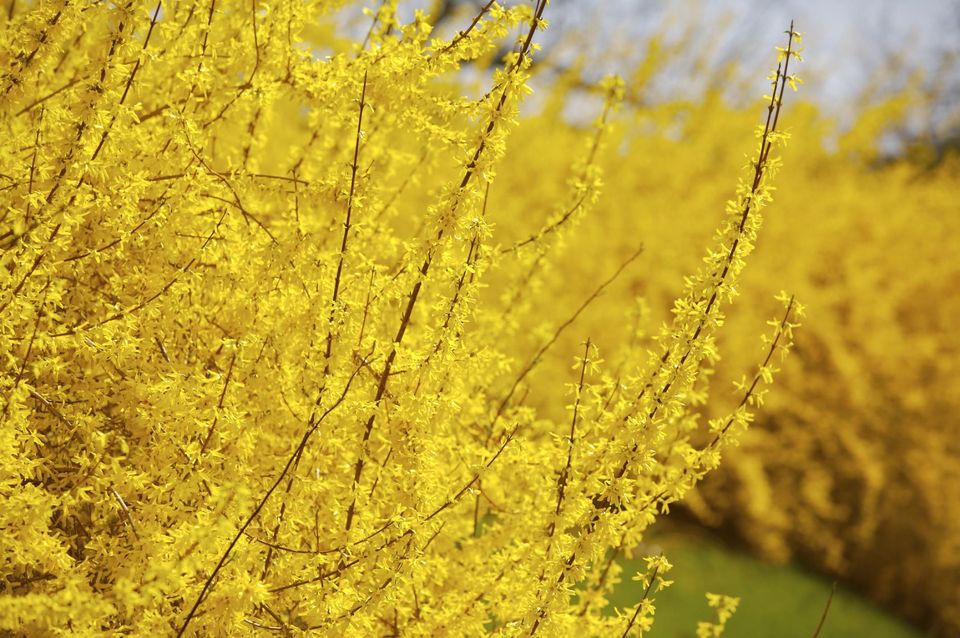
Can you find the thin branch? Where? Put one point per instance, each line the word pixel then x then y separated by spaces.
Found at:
pixel 766 143
pixel 559 331
pixel 464 33
pixel 425 267
pixel 126 512
pixel 826 610
pixel 311 428
pixel 26 356
pixel 636 612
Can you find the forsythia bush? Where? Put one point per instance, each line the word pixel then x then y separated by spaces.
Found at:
pixel 859 457
pixel 853 463
pixel 266 364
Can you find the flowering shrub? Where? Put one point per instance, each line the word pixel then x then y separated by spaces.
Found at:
pixel 852 464
pixel 266 360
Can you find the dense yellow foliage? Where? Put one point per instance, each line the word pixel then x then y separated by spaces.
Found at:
pixel 267 364
pixel 854 464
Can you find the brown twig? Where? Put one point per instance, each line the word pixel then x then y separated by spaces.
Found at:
pixel 464 33
pixel 826 610
pixel 311 428
pixel 773 114
pixel 535 360
pixel 636 612
pixel 425 268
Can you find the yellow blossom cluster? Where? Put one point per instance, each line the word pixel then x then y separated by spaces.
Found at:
pixel 265 365
pixel 725 606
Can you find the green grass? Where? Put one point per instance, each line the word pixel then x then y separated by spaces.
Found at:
pixel 779 601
